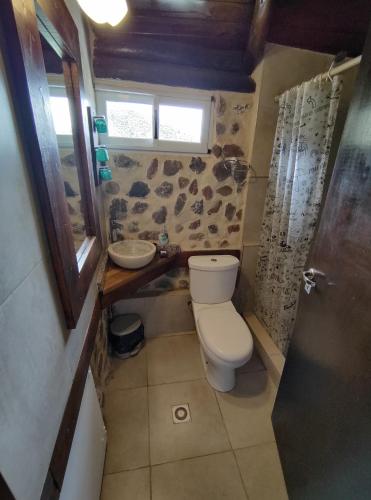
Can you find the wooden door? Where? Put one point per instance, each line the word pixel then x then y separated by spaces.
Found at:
pixel 322 415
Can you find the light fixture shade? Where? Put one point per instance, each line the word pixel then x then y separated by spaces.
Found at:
pixel 105 11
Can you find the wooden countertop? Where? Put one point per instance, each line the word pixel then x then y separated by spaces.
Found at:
pixel 119 283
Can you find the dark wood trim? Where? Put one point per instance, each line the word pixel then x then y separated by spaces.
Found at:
pixel 210 10
pixel 50 490
pixel 58 463
pixel 172 74
pixel 21 46
pixel 329 26
pixel 163 26
pixel 5 493
pixel 121 283
pixel 154 50
pixel 94 142
pixel 258 32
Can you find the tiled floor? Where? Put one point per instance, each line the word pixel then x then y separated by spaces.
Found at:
pixel 227 449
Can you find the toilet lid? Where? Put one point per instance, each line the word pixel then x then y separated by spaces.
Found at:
pixel 225 334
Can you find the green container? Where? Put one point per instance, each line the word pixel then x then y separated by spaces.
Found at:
pixel 101 153
pixel 105 174
pixel 100 124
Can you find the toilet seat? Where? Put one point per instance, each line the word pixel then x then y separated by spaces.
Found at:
pixel 225 334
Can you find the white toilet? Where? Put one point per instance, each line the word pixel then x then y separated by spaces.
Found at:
pixel 226 341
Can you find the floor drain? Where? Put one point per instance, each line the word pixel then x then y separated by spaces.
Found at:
pixel 181 413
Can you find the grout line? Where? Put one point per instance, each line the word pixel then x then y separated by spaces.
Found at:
pixel 230 443
pixel 174 334
pixel 220 452
pixel 149 424
pixel 21 282
pixel 118 389
pixel 177 382
pixel 255 445
pixel 125 470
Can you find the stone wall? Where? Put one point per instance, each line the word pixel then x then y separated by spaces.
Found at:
pixel 73 195
pixel 199 198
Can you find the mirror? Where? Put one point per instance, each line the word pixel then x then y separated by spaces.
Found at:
pixel 62 109
pixel 43 62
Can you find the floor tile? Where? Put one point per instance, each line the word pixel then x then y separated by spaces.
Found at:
pixel 174 359
pixel 129 485
pixel 204 434
pixel 214 477
pixel 261 472
pixel 247 409
pixel 128 373
pixel 126 414
pixel 254 365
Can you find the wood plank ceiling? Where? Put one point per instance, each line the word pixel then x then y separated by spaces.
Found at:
pixel 215 44
pixel 330 26
pixel 198 43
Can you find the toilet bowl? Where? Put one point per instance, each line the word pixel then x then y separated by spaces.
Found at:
pixel 225 339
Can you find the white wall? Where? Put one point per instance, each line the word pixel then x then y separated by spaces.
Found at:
pixel 38 355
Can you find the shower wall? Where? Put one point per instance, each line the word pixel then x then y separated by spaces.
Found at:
pixel 281 68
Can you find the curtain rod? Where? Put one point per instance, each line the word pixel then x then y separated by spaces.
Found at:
pixel 351 63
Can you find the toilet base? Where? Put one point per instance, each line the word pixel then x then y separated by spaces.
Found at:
pixel 220 377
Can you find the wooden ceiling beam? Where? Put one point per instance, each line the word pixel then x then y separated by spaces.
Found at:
pixel 137 47
pixel 223 42
pixel 212 10
pixel 172 74
pixel 160 26
pixel 258 32
pixel 324 26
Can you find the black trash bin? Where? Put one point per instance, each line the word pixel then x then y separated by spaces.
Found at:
pixel 126 335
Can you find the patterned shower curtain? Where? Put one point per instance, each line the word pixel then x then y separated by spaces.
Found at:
pixel 301 149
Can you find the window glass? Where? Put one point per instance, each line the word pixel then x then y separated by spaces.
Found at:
pixel 178 123
pixel 61 115
pixel 154 122
pixel 129 120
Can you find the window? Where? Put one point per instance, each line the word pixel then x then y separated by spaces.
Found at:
pixel 130 120
pixel 61 115
pixel 60 109
pixel 154 122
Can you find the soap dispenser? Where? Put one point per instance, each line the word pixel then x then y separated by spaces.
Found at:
pixel 163 241
pixel 163 238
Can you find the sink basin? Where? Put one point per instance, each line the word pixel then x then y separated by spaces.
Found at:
pixel 132 254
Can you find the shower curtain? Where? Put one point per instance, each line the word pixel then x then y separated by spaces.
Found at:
pixel 301 149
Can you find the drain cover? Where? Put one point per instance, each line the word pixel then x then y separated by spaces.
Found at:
pixel 181 413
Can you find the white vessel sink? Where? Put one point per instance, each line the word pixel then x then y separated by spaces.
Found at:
pixel 132 254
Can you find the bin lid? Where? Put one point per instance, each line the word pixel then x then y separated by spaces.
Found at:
pixel 125 324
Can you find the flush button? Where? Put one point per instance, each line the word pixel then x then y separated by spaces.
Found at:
pixel 214 260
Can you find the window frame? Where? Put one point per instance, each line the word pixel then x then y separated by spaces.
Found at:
pixel 156 144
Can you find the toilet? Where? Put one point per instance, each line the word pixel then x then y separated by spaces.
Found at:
pixel 225 339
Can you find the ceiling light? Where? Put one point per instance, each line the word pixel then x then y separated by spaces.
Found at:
pixel 105 11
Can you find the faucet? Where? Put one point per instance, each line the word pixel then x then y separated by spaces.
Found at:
pixel 113 227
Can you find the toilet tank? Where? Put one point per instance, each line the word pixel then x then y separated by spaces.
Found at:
pixel 212 278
